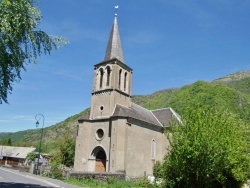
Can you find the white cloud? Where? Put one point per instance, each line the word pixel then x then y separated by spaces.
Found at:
pixel 15 119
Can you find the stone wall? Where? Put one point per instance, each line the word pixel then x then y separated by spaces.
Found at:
pixel 102 177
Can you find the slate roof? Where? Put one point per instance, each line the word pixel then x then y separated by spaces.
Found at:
pixel 165 115
pixel 136 112
pixel 114 48
pixel 160 117
pixel 16 152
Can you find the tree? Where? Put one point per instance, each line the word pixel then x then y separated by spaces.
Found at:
pixel 210 149
pixel 6 142
pixel 66 150
pixel 31 157
pixel 21 41
pixel 9 143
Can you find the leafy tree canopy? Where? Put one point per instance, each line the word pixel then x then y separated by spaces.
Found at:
pixel 21 41
pixel 6 142
pixel 65 152
pixel 31 156
pixel 210 149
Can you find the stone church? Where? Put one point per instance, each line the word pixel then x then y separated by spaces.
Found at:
pixel 118 135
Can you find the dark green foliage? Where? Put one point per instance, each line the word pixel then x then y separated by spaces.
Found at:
pixel 9 142
pixel 242 85
pixel 206 94
pixel 31 156
pixel 158 170
pixel 212 95
pixel 17 136
pixel 62 155
pixel 156 100
pixel 6 142
pixel 210 149
pixel 21 41
pixel 65 150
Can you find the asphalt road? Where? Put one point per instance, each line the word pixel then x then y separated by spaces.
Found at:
pixel 15 179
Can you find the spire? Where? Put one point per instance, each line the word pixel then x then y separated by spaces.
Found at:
pixel 114 48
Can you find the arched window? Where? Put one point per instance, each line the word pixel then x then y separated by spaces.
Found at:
pixel 101 77
pixel 108 76
pixel 125 81
pixel 119 81
pixel 153 149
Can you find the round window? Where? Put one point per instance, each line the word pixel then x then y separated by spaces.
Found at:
pixel 101 108
pixel 99 134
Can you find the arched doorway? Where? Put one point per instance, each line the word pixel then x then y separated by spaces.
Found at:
pixel 97 160
pixel 100 164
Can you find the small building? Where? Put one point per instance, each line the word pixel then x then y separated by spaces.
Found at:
pixel 14 156
pixel 118 136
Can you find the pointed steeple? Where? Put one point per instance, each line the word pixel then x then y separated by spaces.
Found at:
pixel 114 48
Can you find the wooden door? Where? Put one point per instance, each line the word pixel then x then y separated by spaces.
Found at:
pixel 100 166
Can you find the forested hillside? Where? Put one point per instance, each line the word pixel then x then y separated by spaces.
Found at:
pixel 51 135
pixel 231 92
pixel 202 93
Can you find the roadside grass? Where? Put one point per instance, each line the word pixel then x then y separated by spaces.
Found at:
pixel 111 183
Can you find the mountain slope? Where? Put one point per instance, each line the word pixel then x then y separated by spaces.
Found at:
pixel 234 77
pixel 239 81
pixel 50 134
pixel 156 100
pixel 211 94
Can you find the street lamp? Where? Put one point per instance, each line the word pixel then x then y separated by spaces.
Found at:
pixel 37 125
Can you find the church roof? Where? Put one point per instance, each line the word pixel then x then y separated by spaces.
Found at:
pixel 136 112
pixel 114 48
pixel 165 115
pixel 160 117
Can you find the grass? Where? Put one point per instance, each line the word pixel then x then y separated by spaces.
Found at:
pixel 111 183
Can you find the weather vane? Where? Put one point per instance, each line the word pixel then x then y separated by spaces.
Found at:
pixel 116 8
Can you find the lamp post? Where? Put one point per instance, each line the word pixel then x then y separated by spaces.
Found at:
pixel 37 125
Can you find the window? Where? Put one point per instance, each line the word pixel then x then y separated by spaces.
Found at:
pixel 108 76
pixel 153 149
pixel 119 81
pixel 101 77
pixel 101 108
pixel 77 130
pixel 99 134
pixel 125 81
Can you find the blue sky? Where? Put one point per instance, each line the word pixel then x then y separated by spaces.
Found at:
pixel 168 43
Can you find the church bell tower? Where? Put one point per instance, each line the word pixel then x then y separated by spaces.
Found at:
pixel 112 79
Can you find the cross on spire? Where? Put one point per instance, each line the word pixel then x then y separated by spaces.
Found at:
pixel 114 48
pixel 116 9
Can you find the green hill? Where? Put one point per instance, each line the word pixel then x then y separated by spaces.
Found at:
pixel 231 92
pixel 51 134
pixel 234 77
pixel 212 94
pixel 239 81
